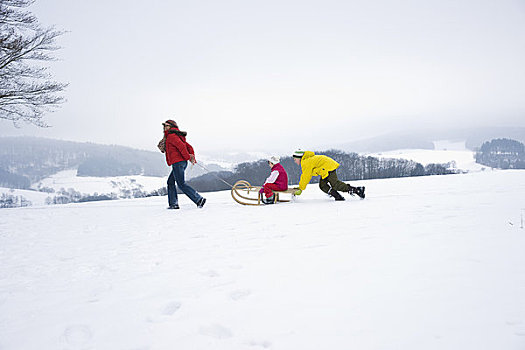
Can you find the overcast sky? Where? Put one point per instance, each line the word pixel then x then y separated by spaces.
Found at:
pixel 256 75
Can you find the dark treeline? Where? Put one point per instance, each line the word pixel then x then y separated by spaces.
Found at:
pixel 10 180
pixel 353 167
pixel 107 166
pixel 13 201
pixel 31 158
pixel 502 154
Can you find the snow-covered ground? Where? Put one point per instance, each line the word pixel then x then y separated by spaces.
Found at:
pixel 443 152
pixel 90 184
pixel 422 263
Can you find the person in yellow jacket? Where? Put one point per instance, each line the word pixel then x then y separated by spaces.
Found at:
pixel 320 165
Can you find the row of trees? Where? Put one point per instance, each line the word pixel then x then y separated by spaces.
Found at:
pixel 502 154
pixel 13 201
pixel 72 196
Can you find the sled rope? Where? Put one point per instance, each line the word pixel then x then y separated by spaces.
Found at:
pixel 212 173
pixel 241 191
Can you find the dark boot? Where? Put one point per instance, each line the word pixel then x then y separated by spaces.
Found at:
pixel 201 202
pixel 268 200
pixel 360 191
pixel 336 195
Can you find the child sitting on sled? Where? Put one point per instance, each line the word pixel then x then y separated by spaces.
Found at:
pixel 277 181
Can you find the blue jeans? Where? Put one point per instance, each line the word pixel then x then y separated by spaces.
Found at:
pixel 177 175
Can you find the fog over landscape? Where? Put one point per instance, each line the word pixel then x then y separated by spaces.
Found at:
pixel 244 77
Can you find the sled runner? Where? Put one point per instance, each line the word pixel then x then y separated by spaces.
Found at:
pixel 246 194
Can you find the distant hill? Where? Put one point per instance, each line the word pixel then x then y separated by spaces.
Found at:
pixel 423 139
pixel 502 154
pixel 26 160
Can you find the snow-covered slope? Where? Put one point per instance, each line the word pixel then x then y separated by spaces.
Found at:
pixel 89 184
pixel 443 152
pixel 422 263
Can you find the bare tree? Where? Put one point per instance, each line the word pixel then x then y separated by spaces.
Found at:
pixel 27 90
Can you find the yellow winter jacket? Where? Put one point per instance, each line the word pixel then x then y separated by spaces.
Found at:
pixel 313 165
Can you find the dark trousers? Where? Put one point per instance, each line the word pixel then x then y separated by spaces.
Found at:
pixel 331 181
pixel 177 176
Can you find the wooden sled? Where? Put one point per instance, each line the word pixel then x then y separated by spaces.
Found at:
pixel 246 194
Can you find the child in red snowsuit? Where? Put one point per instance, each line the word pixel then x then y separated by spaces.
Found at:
pixel 277 181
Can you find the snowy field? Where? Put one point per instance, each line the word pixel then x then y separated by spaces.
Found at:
pixel 422 263
pixel 443 152
pixel 89 184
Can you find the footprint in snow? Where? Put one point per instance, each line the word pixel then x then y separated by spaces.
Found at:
pixel 520 331
pixel 171 308
pixel 210 273
pixel 264 344
pixel 240 294
pixel 77 336
pixel 216 331
pixel 167 311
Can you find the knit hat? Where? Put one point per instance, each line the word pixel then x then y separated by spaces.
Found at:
pixel 170 123
pixel 274 159
pixel 298 154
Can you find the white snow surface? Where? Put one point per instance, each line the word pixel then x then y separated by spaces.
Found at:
pixel 422 263
pixel 102 185
pixel 443 152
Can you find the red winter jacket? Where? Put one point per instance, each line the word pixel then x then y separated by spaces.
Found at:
pixel 177 149
pixel 279 177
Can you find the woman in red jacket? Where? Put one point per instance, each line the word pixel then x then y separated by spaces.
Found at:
pixel 178 152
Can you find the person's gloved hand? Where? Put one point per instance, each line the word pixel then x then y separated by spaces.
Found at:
pixel 298 192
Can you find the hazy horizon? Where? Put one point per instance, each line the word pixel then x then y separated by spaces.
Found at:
pixel 254 76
